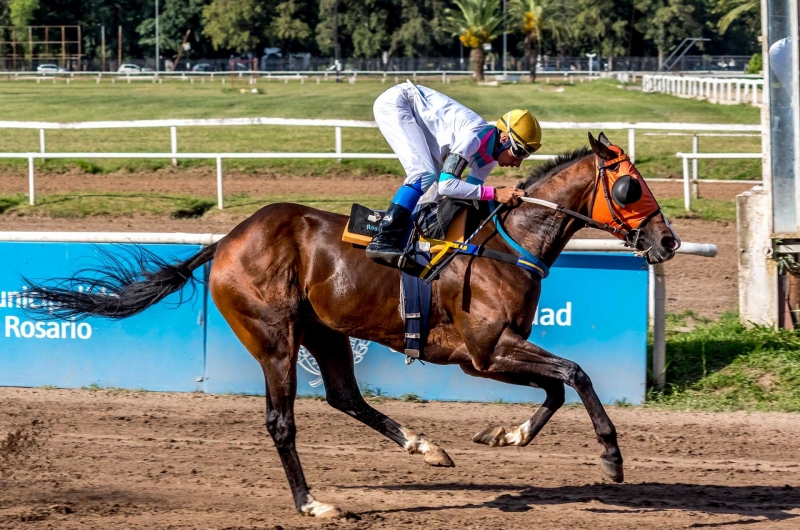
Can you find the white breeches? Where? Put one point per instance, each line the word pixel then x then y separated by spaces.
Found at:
pixel 394 113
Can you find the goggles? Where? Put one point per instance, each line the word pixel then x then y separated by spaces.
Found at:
pixel 519 150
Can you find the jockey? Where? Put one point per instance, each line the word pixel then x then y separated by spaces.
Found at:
pixel 436 139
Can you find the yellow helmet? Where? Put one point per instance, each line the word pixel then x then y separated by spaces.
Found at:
pixel 523 130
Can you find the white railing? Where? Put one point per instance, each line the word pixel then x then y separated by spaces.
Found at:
pixel 337 125
pixel 657 285
pixel 714 89
pixel 690 186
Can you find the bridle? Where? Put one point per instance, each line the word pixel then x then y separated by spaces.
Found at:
pixel 623 230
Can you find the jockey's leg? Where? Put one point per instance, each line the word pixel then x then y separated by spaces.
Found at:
pixel 388 246
pixel 394 115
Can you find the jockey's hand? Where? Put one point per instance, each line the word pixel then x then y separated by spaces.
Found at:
pixel 508 196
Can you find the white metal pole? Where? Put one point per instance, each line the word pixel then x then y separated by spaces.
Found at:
pixel 651 295
pixel 220 203
pixel 695 150
pixel 338 139
pixel 157 35
pixel 632 145
pixel 687 198
pixel 31 182
pixel 659 326
pixel 794 35
pixel 505 42
pixel 173 137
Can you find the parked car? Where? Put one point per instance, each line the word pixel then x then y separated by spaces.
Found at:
pixel 202 67
pixel 129 69
pixel 50 69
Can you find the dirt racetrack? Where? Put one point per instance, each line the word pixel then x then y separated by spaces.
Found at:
pixel 118 459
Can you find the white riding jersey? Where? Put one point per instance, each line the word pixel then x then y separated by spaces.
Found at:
pixel 423 126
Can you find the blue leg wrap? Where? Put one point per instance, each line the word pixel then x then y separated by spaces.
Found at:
pixel 408 195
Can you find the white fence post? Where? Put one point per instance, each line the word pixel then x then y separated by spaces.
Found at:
pixel 173 136
pixel 659 326
pixel 31 182
pixel 41 141
pixel 338 138
pixel 687 198
pixel 695 150
pixel 220 199
pixel 632 145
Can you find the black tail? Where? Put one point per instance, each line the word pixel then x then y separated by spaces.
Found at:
pixel 121 287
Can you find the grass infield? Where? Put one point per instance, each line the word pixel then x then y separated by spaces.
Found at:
pixel 597 101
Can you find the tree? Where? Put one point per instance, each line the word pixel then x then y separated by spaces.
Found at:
pixel 420 32
pixel 736 10
pixel 475 22
pixel 235 24
pixel 362 28
pixel 21 12
pixel 176 17
pixel 288 29
pixel 535 18
pixel 603 25
pixel 666 22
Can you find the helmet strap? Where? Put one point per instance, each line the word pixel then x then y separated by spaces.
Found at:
pixel 499 146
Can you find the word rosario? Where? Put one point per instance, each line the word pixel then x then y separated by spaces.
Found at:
pixel 46 330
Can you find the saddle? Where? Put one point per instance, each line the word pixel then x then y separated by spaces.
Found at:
pixel 439 228
pixel 436 224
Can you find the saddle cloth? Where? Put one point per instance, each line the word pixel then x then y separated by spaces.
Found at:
pixel 363 226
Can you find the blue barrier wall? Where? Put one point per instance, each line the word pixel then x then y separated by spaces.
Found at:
pixel 161 349
pixel 593 310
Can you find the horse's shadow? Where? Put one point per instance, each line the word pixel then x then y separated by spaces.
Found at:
pixel 772 502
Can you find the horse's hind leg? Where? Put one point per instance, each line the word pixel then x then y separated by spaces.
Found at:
pixel 523 434
pixel 275 347
pixel 335 360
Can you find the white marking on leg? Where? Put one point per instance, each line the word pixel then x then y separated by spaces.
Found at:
pixel 315 508
pixel 417 444
pixel 517 435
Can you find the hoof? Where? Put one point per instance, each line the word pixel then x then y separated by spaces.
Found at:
pixel 315 508
pixel 491 436
pixel 613 471
pixel 436 457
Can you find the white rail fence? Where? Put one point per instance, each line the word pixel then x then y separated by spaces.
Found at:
pixel 337 153
pixel 690 186
pixel 722 90
pixel 657 285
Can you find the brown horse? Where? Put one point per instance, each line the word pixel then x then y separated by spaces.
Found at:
pixel 283 278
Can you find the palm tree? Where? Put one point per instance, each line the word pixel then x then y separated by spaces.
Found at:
pixel 475 22
pixel 534 18
pixel 733 9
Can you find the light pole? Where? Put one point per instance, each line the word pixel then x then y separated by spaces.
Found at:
pixel 505 40
pixel 157 51
pixel 590 56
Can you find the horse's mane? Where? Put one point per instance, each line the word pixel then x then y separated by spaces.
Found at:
pixel 556 164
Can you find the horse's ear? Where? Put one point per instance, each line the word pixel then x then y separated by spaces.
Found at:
pixel 600 149
pixel 603 139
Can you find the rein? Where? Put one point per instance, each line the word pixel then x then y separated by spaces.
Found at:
pixel 523 258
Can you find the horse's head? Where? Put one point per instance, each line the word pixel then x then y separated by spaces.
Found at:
pixel 622 201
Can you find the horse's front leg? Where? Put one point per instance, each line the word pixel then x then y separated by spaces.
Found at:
pixel 524 434
pixel 515 355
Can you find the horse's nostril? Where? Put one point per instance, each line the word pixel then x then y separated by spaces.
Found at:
pixel 669 243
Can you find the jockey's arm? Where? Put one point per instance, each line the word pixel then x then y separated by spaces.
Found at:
pixel 451 185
